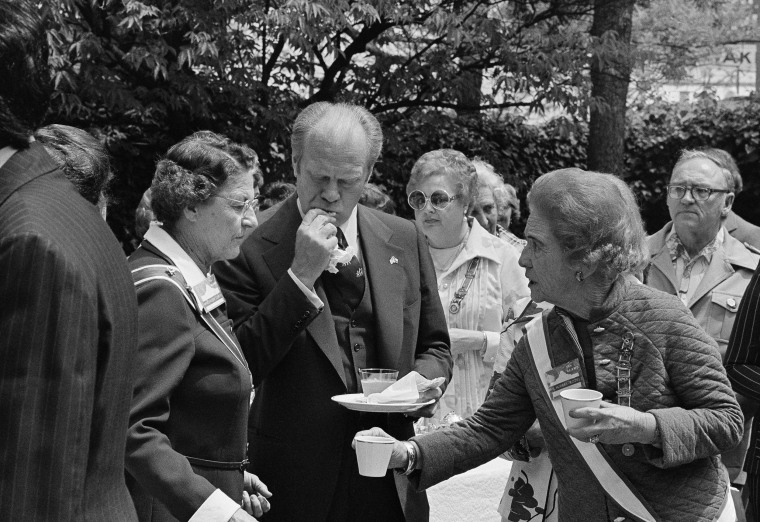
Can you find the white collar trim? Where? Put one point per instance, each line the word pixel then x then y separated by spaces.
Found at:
pixel 166 244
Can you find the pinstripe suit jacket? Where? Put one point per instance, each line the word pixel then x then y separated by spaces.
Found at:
pixel 743 361
pixel 68 328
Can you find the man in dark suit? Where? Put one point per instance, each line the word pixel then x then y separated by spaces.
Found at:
pixel 68 319
pixel 306 332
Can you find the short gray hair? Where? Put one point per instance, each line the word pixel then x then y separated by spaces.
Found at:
pixel 595 218
pixel 717 157
pixel 506 196
pixel 309 118
pixel 729 163
pixel 450 163
pixel 487 176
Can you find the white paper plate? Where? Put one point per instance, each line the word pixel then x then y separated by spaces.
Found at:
pixel 358 402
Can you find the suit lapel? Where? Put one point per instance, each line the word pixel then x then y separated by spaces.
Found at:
pixel 386 282
pixel 23 167
pixel 281 229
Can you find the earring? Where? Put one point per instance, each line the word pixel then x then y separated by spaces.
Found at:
pixel 579 276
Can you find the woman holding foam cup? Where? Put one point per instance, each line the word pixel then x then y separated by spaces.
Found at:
pixel 650 450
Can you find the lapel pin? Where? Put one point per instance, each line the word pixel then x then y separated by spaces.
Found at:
pixel 393 260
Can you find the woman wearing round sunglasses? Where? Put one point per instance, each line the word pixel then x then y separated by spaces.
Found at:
pixel 478 275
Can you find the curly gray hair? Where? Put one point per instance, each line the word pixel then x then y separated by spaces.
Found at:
pixel 194 169
pixel 450 163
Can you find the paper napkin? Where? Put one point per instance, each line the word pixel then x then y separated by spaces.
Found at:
pixel 406 389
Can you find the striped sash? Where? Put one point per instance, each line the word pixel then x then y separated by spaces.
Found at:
pixel 614 483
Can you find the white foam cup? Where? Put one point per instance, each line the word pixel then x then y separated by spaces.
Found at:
pixel 373 454
pixel 579 398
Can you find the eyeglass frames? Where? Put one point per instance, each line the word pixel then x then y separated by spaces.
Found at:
pixel 697 193
pixel 439 199
pixel 242 207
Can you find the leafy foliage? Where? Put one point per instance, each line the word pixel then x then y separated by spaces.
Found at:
pixel 142 74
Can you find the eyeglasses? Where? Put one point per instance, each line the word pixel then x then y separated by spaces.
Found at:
pixel 697 193
pixel 439 199
pixel 242 207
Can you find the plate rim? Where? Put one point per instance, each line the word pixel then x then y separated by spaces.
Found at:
pixel 373 405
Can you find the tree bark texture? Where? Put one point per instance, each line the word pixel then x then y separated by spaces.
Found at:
pixel 610 75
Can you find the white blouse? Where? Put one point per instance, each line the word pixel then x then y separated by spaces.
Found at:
pixel 498 283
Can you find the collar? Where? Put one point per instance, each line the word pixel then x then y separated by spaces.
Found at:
pixel 166 244
pixel 678 250
pixel 612 301
pixel 6 153
pixel 349 228
pixel 480 243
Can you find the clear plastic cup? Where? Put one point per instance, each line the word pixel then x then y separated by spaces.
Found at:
pixel 375 380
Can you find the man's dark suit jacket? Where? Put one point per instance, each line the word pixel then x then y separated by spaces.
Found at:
pixel 742 229
pixel 297 435
pixel 68 330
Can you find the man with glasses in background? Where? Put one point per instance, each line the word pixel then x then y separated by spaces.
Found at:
pixel 695 258
pixel 308 331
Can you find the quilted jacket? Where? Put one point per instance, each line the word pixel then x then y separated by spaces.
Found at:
pixel 677 375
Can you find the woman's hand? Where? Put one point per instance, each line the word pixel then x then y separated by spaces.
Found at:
pixel 399 457
pixel 255 495
pixel 614 424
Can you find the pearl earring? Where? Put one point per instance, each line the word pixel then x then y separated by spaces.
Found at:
pixel 579 276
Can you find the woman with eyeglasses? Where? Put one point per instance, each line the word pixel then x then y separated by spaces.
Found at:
pixel 478 275
pixel 186 444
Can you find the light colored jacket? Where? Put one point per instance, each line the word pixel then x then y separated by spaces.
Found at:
pixel 714 306
pixel 717 298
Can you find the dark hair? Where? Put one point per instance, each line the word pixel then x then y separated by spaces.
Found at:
pixel 274 192
pixel 25 87
pixel 374 197
pixel 81 156
pixel 194 169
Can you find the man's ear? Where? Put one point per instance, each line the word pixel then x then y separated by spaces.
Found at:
pixel 727 204
pixel 295 168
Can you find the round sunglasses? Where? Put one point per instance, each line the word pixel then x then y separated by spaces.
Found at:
pixel 439 199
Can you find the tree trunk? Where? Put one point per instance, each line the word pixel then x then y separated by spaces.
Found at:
pixel 610 75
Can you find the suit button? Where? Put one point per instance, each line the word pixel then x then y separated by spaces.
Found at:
pixel 628 449
pixel 353 323
pixel 306 314
pixel 357 347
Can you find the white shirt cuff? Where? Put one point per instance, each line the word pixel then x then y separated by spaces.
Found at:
pixel 309 293
pixel 218 507
pixel 492 346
